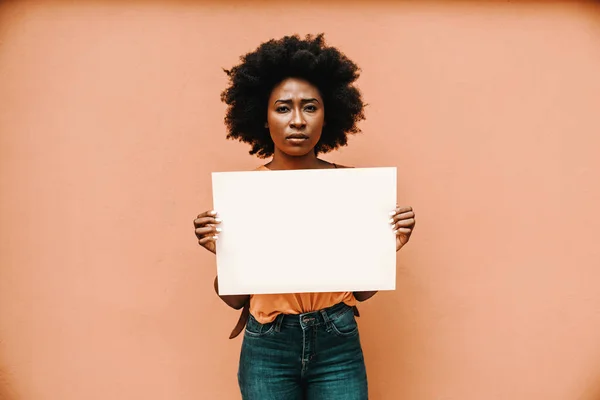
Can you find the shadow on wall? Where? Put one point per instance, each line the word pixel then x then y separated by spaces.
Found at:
pixel 7 391
pixel 592 389
pixel 337 3
pixel 593 392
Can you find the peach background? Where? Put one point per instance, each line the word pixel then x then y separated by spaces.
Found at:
pixel 111 123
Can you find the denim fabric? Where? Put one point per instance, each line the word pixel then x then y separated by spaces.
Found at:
pixel 313 356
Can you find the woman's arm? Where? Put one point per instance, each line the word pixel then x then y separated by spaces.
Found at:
pixel 362 296
pixel 403 221
pixel 205 226
pixel 235 301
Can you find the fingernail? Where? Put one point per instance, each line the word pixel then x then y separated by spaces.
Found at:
pixel 391 221
pixel 219 229
pixel 213 212
pixel 216 237
pixel 395 232
pixel 393 212
pixel 218 220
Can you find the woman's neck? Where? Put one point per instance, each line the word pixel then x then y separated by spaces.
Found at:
pixel 282 161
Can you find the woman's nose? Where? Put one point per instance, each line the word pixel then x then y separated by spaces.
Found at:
pixel 297 120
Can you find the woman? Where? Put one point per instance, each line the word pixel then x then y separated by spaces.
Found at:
pixel 292 99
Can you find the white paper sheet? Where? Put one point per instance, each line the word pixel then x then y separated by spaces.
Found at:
pixel 304 231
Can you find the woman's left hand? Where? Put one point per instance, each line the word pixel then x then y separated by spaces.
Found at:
pixel 403 223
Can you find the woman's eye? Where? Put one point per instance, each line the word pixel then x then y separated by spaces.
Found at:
pixel 281 109
pixel 311 108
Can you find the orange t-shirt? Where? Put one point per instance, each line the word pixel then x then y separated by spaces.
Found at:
pixel 265 307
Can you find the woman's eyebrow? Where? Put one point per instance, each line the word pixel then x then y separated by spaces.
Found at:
pixel 288 101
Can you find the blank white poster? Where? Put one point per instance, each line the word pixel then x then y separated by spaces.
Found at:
pixel 305 231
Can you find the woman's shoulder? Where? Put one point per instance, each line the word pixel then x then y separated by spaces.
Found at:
pixel 341 166
pixel 264 168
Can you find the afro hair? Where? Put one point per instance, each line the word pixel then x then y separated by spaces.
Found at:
pixel 251 83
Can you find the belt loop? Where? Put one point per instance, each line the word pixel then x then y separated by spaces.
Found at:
pixel 327 320
pixel 278 321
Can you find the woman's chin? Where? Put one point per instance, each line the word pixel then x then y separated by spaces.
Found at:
pixel 297 151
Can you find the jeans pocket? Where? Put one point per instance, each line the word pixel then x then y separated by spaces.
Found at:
pixel 344 324
pixel 255 328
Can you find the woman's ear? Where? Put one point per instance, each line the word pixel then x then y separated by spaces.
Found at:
pixel 267 125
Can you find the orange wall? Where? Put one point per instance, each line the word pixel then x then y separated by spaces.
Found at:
pixel 111 123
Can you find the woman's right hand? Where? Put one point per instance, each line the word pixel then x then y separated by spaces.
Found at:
pixel 207 232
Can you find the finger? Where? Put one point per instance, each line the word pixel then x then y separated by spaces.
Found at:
pixel 400 210
pixel 208 239
pixel 404 215
pixel 403 231
pixel 207 230
pixel 198 222
pixel 210 213
pixel 406 223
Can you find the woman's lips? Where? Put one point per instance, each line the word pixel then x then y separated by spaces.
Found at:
pixel 296 138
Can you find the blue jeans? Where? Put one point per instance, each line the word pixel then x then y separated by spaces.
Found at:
pixel 313 356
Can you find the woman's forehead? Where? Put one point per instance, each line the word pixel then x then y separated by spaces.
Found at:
pixel 295 87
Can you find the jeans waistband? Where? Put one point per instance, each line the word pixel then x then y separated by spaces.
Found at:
pixel 313 318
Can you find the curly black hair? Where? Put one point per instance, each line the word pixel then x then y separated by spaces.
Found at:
pixel 252 81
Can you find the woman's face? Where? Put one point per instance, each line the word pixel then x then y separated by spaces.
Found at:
pixel 295 117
